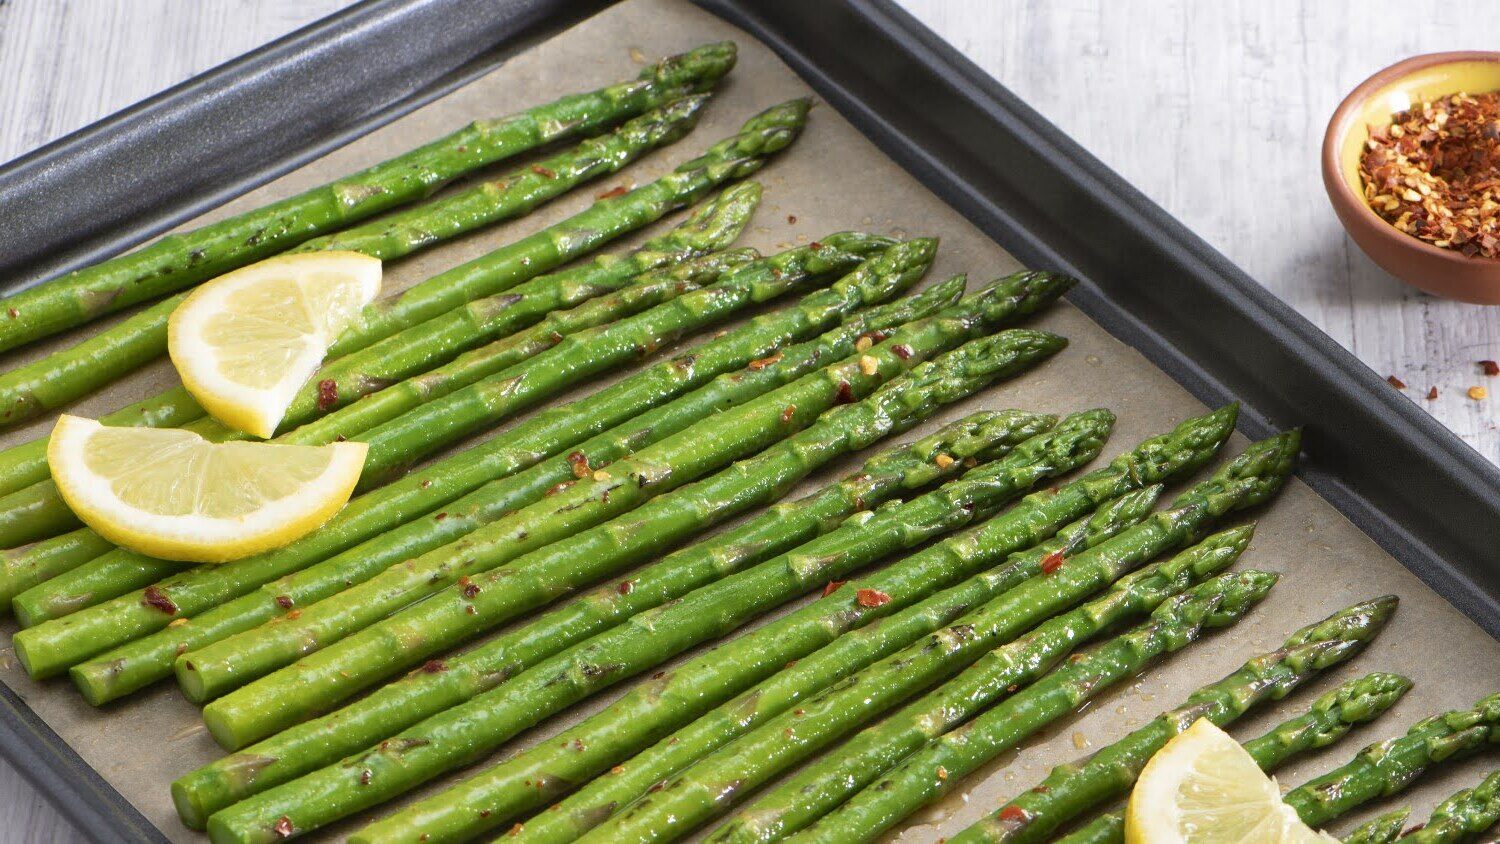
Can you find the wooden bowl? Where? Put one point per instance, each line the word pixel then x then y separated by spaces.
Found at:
pixel 1442 272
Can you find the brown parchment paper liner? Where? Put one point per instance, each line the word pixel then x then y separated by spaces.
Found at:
pixel 834 179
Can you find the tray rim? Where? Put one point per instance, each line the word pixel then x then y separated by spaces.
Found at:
pixel 101 813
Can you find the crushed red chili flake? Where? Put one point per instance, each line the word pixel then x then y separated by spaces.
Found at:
pixel 467 587
pixel 284 601
pixel 580 464
pixel 815 245
pixel 294 615
pixel 515 830
pixel 1052 562
pixel 788 413
pixel 328 394
pixel 942 773
pixel 440 516
pixel 832 587
pixel 156 599
pixel 1489 367
pixel 543 171
pixel 283 827
pixel 764 362
pixel 901 351
pixel 1012 813
pixel 425 484
pixel 626 587
pixel 12 313
pixel 1395 382
pixel 364 777
pixel 434 666
pixel 871 598
pixel 1434 172
pixel 845 394
pixel 1431 393
pixel 617 190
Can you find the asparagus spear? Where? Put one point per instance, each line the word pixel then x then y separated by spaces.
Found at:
pixel 784 526
pixel 713 783
pixel 652 637
pixel 1355 702
pixel 504 582
pixel 946 760
pixel 733 158
pixel 128 617
pixel 23 568
pixel 29 391
pixel 134 665
pixel 180 260
pixel 1380 830
pixel 1073 789
pixel 1389 766
pixel 1462 817
pixel 38 511
pixel 657 708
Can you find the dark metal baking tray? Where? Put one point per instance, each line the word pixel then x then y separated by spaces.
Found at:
pixel 1427 498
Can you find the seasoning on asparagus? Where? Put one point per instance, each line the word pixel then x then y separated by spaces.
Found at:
pixel 179 261
pixel 714 783
pixel 320 797
pixel 545 432
pixel 1387 767
pixel 1328 720
pixel 134 665
pixel 784 526
pixel 502 582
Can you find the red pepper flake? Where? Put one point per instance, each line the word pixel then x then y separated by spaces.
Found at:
pixel 434 666
pixel 657 786
pixel 1395 382
pixel 799 712
pixel 617 190
pixel 617 770
pixel 791 219
pixel 901 351
pixel 556 488
pixel 471 610
pixel 1489 367
pixel 294 615
pixel 845 393
pixel 284 601
pixel 580 465
pixel 788 413
pixel 425 484
pixel 328 394
pixel 787 731
pixel 283 827
pixel 12 313
pixel 832 587
pixel 543 171
pixel 1012 813
pixel 871 598
pixel 440 516
pixel 1431 393
pixel 626 587
pixel 467 587
pixel 764 362
pixel 156 599
pixel 815 245
pixel 1042 789
pixel 515 830
pixel 658 675
pixel 1052 562
pixel 942 773
pixel 364 777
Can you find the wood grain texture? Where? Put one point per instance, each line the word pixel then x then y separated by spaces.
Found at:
pixel 1215 110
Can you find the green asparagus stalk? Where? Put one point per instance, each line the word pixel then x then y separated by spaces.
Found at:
pixel 1462 817
pixel 656 709
pixel 443 741
pixel 958 753
pixel 128 617
pixel 1355 702
pixel 733 158
pixel 1113 770
pixel 1388 767
pixel 715 782
pixel 38 510
pixel 1379 830
pixel 28 391
pixel 139 663
pixel 23 568
pixel 504 582
pixel 177 261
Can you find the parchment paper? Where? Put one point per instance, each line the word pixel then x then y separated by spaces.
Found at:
pixel 833 179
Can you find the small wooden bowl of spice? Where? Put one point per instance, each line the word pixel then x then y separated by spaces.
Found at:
pixel 1411 162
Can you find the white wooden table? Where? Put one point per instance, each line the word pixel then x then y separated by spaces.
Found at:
pixel 1215 110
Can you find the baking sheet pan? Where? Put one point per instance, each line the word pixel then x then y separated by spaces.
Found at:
pixel 912 140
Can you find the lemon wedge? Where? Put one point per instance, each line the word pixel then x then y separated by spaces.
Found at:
pixel 1204 788
pixel 171 494
pixel 245 342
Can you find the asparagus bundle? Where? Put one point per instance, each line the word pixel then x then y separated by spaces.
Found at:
pixel 496 592
pixel 180 260
pixel 1460 818
pixel 459 734
pixel 1330 717
pixel 601 798
pixel 704 790
pixel 784 526
pixel 733 158
pixel 1387 767
pixel 60 378
pixel 68 640
pixel 956 754
pixel 131 666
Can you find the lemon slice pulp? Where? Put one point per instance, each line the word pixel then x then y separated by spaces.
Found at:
pixel 245 342
pixel 171 494
pixel 1204 788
